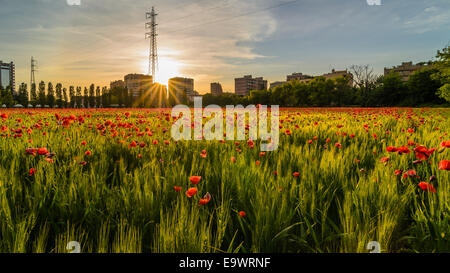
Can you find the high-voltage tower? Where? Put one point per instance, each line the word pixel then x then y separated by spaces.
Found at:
pixel 33 69
pixel 153 55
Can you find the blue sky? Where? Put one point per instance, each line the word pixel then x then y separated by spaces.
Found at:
pixel 102 40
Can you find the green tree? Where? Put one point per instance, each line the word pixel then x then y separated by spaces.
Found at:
pixel 72 96
pixel 33 95
pixel 97 97
pixel 422 87
pixel 443 74
pixel 59 95
pixel 85 98
pixel 65 101
pixel 91 96
pixel 79 98
pixel 42 99
pixel 50 95
pixel 7 97
pixel 22 97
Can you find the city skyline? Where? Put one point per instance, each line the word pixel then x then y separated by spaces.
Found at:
pixel 100 41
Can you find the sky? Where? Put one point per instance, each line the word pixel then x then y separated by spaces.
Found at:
pixel 99 41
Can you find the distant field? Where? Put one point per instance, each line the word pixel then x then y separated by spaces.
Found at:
pixel 115 181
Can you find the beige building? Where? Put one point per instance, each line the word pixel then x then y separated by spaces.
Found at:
pixel 216 89
pixel 332 75
pixel 405 70
pixel 298 77
pixel 138 83
pixel 117 84
pixel 180 87
pixel 275 84
pixel 244 85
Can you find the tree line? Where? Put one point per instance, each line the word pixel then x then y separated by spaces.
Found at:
pixel 49 96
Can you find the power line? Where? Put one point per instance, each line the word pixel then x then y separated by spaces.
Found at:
pixel 234 17
pixel 204 10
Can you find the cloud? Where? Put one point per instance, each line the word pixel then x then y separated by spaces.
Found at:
pixel 430 19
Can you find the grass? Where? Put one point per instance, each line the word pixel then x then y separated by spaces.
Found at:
pixel 121 202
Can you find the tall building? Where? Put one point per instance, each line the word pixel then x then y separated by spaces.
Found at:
pixel 216 89
pixel 138 83
pixel 405 70
pixel 8 75
pixel 243 86
pixel 298 77
pixel 180 87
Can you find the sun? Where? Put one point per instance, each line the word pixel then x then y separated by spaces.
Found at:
pixel 167 68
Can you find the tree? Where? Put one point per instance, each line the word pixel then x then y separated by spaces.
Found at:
pixel 85 98
pixel 42 98
pixel 50 95
pixel 443 74
pixel 22 97
pixel 97 97
pixel 7 97
pixel 78 97
pixel 65 101
pixel 422 87
pixel 364 78
pixel 72 96
pixel 59 95
pixel 392 92
pixel 92 96
pixel 33 95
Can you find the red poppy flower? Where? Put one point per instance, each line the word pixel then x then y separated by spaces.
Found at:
pixel 445 144
pixel 83 143
pixel 296 174
pixel 205 200
pixel 423 153
pixel 444 165
pixel 411 173
pixel 88 153
pixel 427 187
pixel 403 150
pixel 258 162
pixel 384 159
pixel 133 144
pixel 32 171
pixel 242 214
pixel 398 172
pixel 195 179
pixel 155 142
pixel 191 192
pixel 233 159
pixel 42 151
pixel 30 151
pixel 310 142
pixel 203 154
pixel 391 149
pixel 177 189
